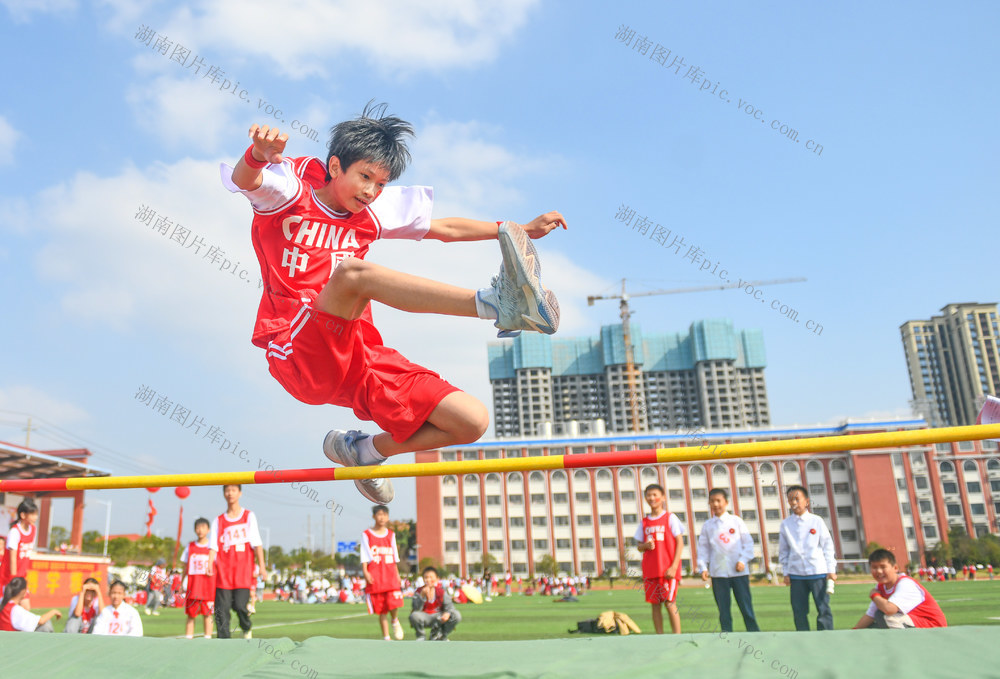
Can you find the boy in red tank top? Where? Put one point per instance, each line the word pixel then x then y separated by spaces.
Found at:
pixel 379 559
pixel 200 596
pixel 658 538
pixel 234 540
pixel 898 601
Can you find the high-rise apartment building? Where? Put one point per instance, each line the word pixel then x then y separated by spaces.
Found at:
pixel 711 377
pixel 953 360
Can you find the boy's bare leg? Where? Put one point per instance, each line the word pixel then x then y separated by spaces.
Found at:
pixel 675 618
pixel 189 627
pixel 658 618
pixel 383 621
pixel 208 625
pixel 459 418
pixel 355 283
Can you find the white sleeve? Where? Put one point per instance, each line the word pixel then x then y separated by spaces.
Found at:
pixel 872 610
pixel 135 624
pixel 253 531
pixel 829 549
pixel 704 548
pixel 184 556
pixel 676 527
pixel 366 549
pixel 23 620
pixel 907 595
pixel 213 535
pixel 639 537
pixel 746 543
pixel 395 551
pixel 403 211
pixel 13 539
pixel 279 186
pixel 101 624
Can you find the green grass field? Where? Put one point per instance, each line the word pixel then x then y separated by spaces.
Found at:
pixel 538 617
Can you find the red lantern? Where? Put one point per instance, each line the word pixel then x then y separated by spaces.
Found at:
pixel 152 490
pixel 182 492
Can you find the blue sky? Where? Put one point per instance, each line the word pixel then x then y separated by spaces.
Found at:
pixel 520 107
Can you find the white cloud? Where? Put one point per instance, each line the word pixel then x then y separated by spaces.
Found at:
pixel 185 113
pixel 21 10
pixel 10 137
pixel 18 402
pixel 303 38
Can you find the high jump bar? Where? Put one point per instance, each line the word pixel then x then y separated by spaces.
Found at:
pixel 726 451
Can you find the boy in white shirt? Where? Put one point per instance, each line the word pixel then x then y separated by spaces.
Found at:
pixel 118 618
pixel 725 547
pixel 806 554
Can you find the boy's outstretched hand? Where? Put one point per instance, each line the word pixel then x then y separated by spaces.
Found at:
pixel 543 224
pixel 268 142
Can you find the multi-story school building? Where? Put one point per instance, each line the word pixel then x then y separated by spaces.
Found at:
pixel 902 498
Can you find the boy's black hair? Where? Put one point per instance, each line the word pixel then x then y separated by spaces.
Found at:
pixel 882 555
pixel 13 588
pixel 238 485
pixel 719 491
pixel 115 583
pixel 429 569
pixel 202 520
pixel 653 486
pixel 372 136
pixel 92 580
pixel 379 508
pixel 801 489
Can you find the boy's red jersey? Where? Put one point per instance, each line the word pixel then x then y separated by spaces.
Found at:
pixel 234 544
pixel 200 585
pixel 300 243
pixel 927 613
pixel 383 557
pixel 20 542
pixel 656 560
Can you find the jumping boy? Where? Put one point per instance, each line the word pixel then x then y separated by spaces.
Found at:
pixel 725 547
pixel 658 538
pixel 806 554
pixel 313 223
pixel 200 599
pixel 898 601
pixel 379 557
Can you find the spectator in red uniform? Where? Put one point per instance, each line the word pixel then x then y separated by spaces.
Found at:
pixel 234 540
pixel 898 601
pixel 432 607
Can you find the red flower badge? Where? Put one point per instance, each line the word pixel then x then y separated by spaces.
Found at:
pixel 812 531
pixel 732 530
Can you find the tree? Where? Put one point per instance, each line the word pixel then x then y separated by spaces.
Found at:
pixel 429 561
pixel 547 565
pixel 121 551
pixel 57 536
pixel 489 563
pixel 869 548
pixel 941 554
pixel 93 542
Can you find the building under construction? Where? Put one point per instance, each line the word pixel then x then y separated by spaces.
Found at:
pixel 711 377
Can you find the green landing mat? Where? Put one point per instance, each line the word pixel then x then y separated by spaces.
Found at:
pixel 964 652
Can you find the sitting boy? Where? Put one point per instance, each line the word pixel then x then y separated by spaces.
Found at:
pixel 898 601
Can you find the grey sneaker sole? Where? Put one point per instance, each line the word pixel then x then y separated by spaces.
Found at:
pixel 381 496
pixel 521 263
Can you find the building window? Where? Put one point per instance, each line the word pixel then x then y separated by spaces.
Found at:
pixel 821 511
pixel 492 499
pixel 539 521
pixel 583 497
pixel 560 498
pixel 540 544
pixel 901 484
pixel 471 500
pixel 517 521
pixel 746 491
pixel 930 532
pixel 562 543
pixel 905 508
pixel 515 499
pixel 974 487
pixel 749 515
pixel 773 537
pixel 538 498
pixel 925 506
pixel 472 523
pixel 842 488
pixel 954 510
pixel 583 520
pixel 845 512
pixel 607 519
pixel 450 501
pixel 816 489
pixel 451 523
pixel 977 509
pixel 518 544
pixel 701 516
pixel 473 546
pixel 769 490
pixel 849 535
pixel 772 513
pixel 451 546
pixel 676 494
pixel 586 543
pixel 921 482
pixel 560 520
pixel 699 493
pixel 949 487
pixel 496 545
pixel 609 542
pixel 628 495
pixel 494 522
pixel 630 518
pixel 605 496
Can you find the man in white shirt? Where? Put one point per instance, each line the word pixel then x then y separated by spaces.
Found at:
pixel 725 547
pixel 806 554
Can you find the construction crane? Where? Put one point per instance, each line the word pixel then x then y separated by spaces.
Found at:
pixel 630 376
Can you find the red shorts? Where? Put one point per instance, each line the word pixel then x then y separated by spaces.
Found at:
pixel 660 590
pixel 196 607
pixel 321 358
pixel 383 602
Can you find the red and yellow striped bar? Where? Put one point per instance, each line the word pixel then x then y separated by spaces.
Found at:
pixel 822 444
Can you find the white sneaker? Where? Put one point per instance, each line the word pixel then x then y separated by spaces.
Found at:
pixel 397 630
pixel 248 634
pixel 340 447
pixel 538 308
